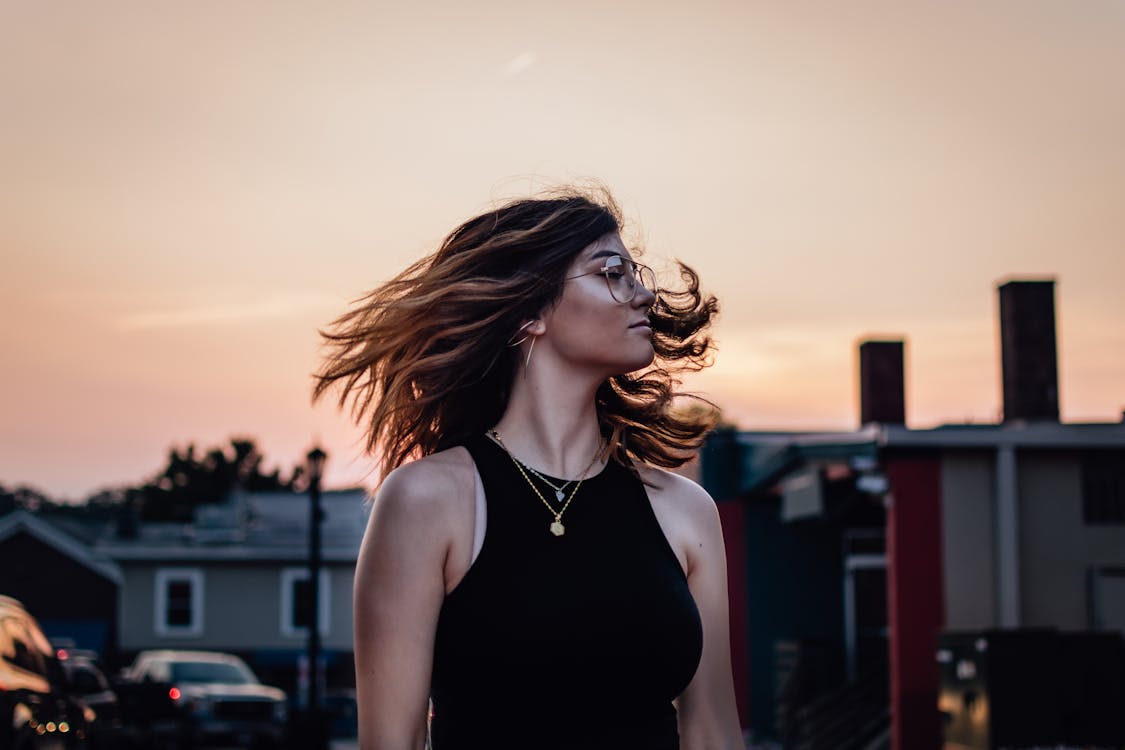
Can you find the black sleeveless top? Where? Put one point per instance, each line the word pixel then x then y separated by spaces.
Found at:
pixel 577 641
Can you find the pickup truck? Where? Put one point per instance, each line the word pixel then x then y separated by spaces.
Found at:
pixel 195 698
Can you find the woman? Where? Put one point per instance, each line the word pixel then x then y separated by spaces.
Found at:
pixel 533 573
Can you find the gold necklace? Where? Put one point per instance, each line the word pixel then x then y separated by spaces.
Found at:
pixel 560 490
pixel 556 526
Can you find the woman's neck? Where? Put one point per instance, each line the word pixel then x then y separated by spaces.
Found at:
pixel 551 423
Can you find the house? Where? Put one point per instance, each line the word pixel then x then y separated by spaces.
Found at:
pixel 52 569
pixel 235 580
pixel 853 551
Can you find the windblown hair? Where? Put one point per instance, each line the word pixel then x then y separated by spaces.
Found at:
pixel 426 357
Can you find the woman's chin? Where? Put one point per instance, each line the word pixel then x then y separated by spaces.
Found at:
pixel 641 361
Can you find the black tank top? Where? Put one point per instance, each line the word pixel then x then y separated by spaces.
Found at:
pixel 577 641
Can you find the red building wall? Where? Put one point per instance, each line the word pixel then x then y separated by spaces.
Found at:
pixel 915 599
pixel 733 518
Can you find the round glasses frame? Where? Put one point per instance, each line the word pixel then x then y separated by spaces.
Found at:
pixel 640 275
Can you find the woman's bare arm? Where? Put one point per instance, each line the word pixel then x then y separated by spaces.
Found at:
pixel 708 715
pixel 399 588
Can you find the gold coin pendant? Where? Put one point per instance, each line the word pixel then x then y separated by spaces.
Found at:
pixel 557 529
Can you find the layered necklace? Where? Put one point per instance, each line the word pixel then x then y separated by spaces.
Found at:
pixel 556 526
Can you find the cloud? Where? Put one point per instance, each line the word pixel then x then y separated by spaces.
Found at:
pixel 232 312
pixel 520 63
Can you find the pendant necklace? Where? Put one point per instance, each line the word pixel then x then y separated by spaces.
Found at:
pixel 556 526
pixel 560 490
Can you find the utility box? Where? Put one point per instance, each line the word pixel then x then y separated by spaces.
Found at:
pixel 1028 688
pixel 999 689
pixel 1093 680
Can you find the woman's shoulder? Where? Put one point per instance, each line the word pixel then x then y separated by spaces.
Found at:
pixel 677 489
pixel 686 513
pixel 434 486
pixel 421 515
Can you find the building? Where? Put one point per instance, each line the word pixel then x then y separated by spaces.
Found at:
pixel 852 551
pixel 235 580
pixel 71 590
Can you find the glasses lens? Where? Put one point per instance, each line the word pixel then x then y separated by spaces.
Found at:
pixel 623 277
pixel 619 278
pixel 648 278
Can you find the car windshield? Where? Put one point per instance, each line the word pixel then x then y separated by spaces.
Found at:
pixel 210 671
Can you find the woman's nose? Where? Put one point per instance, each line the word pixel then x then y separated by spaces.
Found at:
pixel 644 296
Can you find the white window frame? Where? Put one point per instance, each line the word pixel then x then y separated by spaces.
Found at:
pixel 164 576
pixel 288 577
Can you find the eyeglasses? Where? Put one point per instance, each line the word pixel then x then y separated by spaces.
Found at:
pixel 624 277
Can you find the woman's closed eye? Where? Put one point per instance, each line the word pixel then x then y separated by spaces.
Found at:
pixel 615 267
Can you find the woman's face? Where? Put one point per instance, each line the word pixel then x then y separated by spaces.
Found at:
pixel 588 327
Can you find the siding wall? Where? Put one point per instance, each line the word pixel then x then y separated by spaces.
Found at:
pixel 137 599
pixel 241 609
pixel 968 510
pixel 341 582
pixel 1056 546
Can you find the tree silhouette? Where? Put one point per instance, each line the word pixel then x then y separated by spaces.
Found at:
pixel 173 493
pixel 23 497
pixel 187 482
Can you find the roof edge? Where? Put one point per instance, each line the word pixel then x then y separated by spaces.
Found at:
pixel 44 531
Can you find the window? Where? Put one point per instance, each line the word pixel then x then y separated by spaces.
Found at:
pixel 296 602
pixel 179 602
pixel 1103 487
pixel 1105 587
pixel 211 672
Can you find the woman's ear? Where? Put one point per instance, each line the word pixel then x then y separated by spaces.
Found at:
pixel 530 329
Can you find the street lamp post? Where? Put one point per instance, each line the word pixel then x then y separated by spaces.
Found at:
pixel 316 458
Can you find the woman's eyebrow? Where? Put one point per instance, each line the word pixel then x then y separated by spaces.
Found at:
pixel 605 254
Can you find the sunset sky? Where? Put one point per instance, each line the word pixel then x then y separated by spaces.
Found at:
pixel 188 190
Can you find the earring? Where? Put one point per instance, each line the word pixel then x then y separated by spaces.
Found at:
pixel 521 330
pixel 520 341
pixel 530 349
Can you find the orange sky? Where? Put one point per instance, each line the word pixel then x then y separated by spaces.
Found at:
pixel 188 190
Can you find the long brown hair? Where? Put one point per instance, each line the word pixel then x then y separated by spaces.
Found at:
pixel 426 359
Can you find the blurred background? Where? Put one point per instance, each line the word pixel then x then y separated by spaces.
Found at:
pixel 188 191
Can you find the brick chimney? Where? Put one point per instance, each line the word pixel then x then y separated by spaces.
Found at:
pixel 882 383
pixel 1028 356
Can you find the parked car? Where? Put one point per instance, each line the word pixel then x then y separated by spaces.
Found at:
pixel 86 681
pixel 195 698
pixel 38 709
